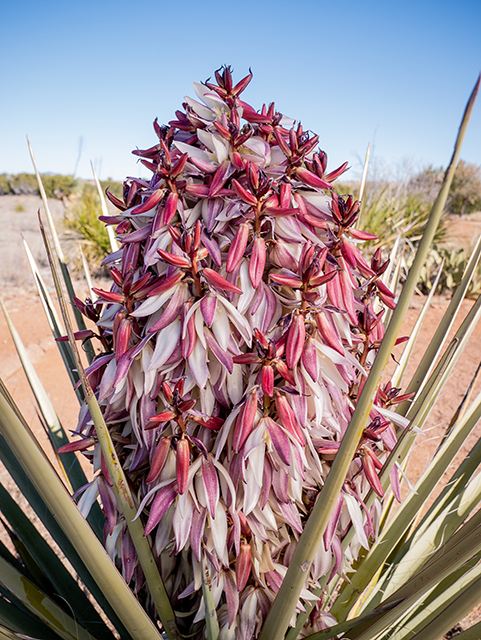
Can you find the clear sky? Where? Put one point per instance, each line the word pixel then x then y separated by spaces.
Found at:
pixel 86 79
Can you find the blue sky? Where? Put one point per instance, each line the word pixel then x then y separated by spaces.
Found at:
pixel 90 77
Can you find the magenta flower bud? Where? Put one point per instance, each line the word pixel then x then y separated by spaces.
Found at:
pixel 309 359
pixel 257 261
pixel 284 372
pixel 237 247
pixel 369 465
pixel 387 300
pixel 176 261
pixel 311 179
pixel 287 418
pixel 348 253
pixel 109 296
pixel 122 335
pixel 328 333
pixel 204 165
pixel 383 289
pixel 241 85
pixel 219 179
pixel 245 421
pixel 78 335
pixel 182 465
pixel 333 175
pixel 167 391
pixel 158 460
pixel 78 445
pixel 252 172
pixel 167 283
pixel 170 208
pixel 179 166
pixel 246 196
pixel 285 195
pixel 267 380
pixel 213 423
pixel 208 306
pixel 237 161
pixel 163 416
pixel 198 190
pixel 149 203
pixel 286 281
pixel 224 131
pixel 295 340
pixel 361 235
pixel 282 143
pixel 218 281
pixel 333 286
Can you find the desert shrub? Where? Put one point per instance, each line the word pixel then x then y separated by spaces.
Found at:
pixel 465 192
pixel 391 210
pixel 56 185
pixel 83 226
pixel 22 184
pixel 455 263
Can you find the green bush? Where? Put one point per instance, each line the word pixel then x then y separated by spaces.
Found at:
pixel 56 185
pixel 455 263
pixel 82 220
pixel 465 192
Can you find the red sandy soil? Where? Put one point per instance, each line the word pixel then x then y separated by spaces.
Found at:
pixel 27 314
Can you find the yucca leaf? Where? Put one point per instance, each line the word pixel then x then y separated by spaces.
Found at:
pixel 43 195
pixel 398 374
pixel 8 634
pixel 423 544
pixel 60 256
pixel 285 603
pixel 454 485
pixel 445 562
pixel 51 567
pixel 436 608
pixel 69 463
pixel 396 529
pixel 17 619
pixel 55 324
pixel 7 457
pixel 41 605
pixel 436 343
pixel 75 527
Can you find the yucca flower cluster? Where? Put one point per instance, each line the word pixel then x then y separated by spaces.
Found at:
pixel 236 337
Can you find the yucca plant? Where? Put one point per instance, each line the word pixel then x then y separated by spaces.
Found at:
pixel 245 449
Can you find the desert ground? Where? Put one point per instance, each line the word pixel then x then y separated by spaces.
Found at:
pixel 18 215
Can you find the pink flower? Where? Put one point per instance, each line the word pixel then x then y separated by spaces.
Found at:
pixel 236 337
